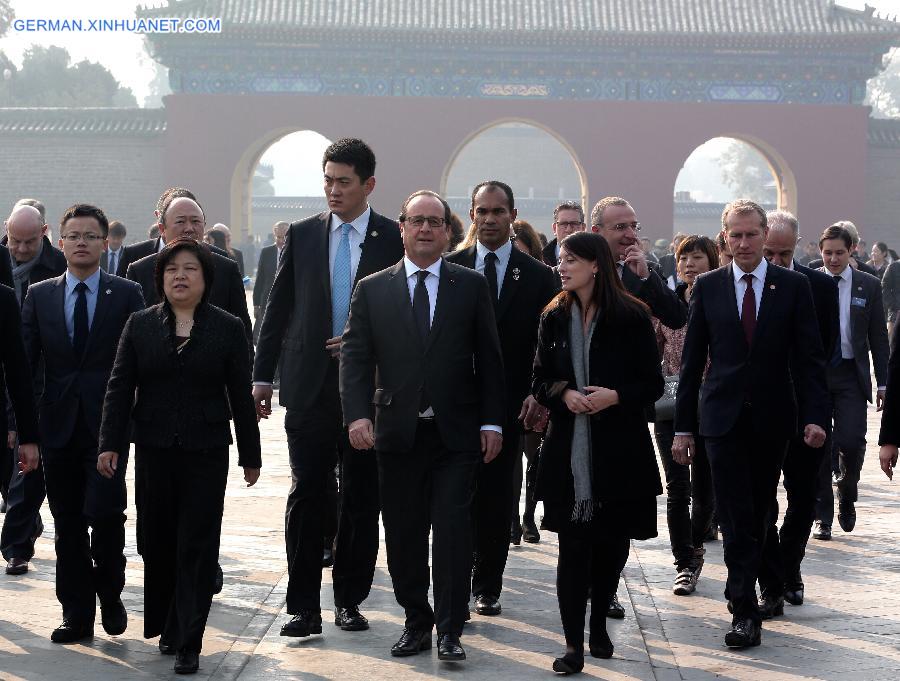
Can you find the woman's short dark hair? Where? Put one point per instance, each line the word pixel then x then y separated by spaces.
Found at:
pixel 203 255
pixel 527 235
pixel 704 244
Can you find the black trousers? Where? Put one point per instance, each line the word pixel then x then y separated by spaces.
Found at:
pixel 530 444
pixel 87 565
pixel 182 527
pixel 589 558
pixel 316 439
pixel 429 488
pixel 784 551
pixel 492 514
pixel 22 523
pixel 689 496
pixel 746 466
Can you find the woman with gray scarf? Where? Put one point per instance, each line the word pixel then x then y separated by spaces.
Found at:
pixel 597 368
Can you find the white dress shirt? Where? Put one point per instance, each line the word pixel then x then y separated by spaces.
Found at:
pixel 356 235
pixel 845 292
pixel 740 286
pixel 502 253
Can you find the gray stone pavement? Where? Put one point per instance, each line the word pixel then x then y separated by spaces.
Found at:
pixel 848 629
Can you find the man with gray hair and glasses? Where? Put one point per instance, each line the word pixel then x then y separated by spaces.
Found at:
pixel 568 218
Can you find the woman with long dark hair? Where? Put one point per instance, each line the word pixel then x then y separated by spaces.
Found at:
pixel 597 368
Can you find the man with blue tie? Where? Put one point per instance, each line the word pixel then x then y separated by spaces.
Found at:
pixel 113 256
pixel 73 322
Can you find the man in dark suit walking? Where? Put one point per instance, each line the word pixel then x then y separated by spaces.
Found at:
pixel 115 252
pixel 568 218
pixel 856 262
pixel 863 330
pixel 73 323
pixel 748 320
pixel 265 274
pixel 421 346
pixel 779 571
pixel 304 318
pixel 889 437
pixel 520 289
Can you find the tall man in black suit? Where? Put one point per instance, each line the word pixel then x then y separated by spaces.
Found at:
pixel 755 323
pixel 74 322
pixel 33 260
pixel 520 289
pixel 779 571
pixel 863 330
pixel 568 218
pixel 421 357
pixel 304 318
pixel 265 274
pixel 889 437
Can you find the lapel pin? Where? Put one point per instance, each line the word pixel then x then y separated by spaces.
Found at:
pixel 374 232
pixel 108 291
pixel 516 271
pixel 772 286
pixel 859 288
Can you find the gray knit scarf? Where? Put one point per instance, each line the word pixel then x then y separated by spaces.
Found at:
pixel 581 463
pixel 22 271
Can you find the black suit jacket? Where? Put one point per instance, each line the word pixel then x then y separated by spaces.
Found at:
pixel 51 263
pixel 786 354
pixel 265 275
pixel 239 259
pixel 890 416
pixel 6 278
pixel 526 289
pixel 825 300
pixel 227 287
pixel 185 398
pixel 664 303
pixel 73 384
pixel 385 366
pixel 667 266
pixel 134 252
pixel 868 331
pixel 549 253
pixel 15 378
pixel 298 313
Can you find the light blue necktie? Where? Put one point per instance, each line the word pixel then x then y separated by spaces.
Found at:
pixel 341 284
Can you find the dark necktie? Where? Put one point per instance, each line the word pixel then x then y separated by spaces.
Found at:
pixel 422 315
pixel 111 262
pixel 836 355
pixel 490 273
pixel 80 319
pixel 748 309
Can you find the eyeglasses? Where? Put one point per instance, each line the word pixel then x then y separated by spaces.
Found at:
pixel 569 225
pixel 420 220
pixel 622 226
pixel 75 237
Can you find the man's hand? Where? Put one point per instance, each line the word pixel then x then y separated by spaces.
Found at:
pixel 251 475
pixel 532 413
pixel 683 449
pixel 888 459
pixel 813 435
pixel 362 434
pixel 491 442
pixel 600 398
pixel 29 456
pixel 879 399
pixel 11 439
pixel 576 402
pixel 635 258
pixel 107 463
pixel 262 396
pixel 333 346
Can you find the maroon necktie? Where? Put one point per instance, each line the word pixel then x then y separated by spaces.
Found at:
pixel 748 309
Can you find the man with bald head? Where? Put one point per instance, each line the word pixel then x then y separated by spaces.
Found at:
pixel 33 259
pixel 779 573
pixel 232 251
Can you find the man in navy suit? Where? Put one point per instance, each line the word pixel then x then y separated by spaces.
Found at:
pixel 73 322
pixel 756 326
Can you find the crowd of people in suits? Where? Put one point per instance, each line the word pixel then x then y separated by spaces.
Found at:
pixel 416 364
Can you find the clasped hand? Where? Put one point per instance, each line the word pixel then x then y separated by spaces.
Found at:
pixel 594 399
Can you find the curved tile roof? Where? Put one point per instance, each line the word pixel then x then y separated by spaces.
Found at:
pixel 110 122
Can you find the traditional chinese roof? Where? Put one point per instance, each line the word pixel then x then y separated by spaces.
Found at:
pixel 884 132
pixel 107 121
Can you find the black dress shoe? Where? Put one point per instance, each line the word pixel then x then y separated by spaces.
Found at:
pixel 327 558
pixel 165 648
pixel 487 605
pixel 350 619
pixel 113 617
pixel 186 662
pixel 450 649
pixel 615 610
pixel 743 634
pixel 794 596
pixel 17 566
pixel 302 624
pixel 770 606
pixel 69 632
pixel 600 645
pixel 570 663
pixel 821 531
pixel 530 532
pixel 412 642
pixel 515 532
pixel 219 581
pixel 847 515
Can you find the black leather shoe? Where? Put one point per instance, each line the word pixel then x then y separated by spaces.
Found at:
pixel 412 642
pixel 70 632
pixel 847 515
pixel 487 605
pixel 17 566
pixel 570 663
pixel 220 580
pixel 743 634
pixel 327 557
pixel 615 610
pixel 350 619
pixel 530 532
pixel 821 531
pixel 515 532
pixel 186 662
pixel 450 649
pixel 165 648
pixel 600 645
pixel 113 617
pixel 770 606
pixel 794 596
pixel 302 624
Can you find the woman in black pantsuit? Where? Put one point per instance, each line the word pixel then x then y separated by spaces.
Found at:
pixel 189 362
pixel 596 368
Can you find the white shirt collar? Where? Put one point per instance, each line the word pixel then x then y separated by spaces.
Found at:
pixel 791 265
pixel 92 282
pixel 360 224
pixel 502 253
pixel 411 268
pixel 759 272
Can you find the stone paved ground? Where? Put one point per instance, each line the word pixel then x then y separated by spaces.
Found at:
pixel 847 630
